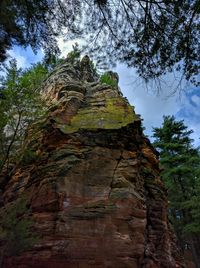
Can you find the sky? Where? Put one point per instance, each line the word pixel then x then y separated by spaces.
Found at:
pixel 150 104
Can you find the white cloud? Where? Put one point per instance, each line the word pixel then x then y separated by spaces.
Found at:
pixel 150 105
pixel 21 60
pixel 25 56
pixel 67 46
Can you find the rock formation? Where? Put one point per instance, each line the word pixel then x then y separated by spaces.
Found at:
pixel 94 190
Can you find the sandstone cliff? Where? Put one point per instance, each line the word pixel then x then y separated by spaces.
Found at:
pixel 94 188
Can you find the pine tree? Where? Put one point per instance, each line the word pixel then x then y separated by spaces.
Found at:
pixel 180 164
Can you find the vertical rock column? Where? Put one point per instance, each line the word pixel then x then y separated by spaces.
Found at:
pixel 94 188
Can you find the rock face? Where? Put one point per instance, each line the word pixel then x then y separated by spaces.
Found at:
pixel 94 188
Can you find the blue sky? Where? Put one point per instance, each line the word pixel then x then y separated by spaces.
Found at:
pixel 153 106
pixel 25 57
pixel 148 103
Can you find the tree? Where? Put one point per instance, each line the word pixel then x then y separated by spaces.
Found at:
pixel 35 23
pixel 180 164
pixel 155 36
pixel 20 104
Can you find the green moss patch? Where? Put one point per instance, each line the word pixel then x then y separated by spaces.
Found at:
pixel 116 114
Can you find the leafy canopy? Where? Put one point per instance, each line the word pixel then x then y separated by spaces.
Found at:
pixel 20 104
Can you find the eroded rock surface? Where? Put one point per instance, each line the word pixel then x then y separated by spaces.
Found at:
pixel 94 187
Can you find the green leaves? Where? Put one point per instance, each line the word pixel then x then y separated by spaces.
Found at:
pixel 107 79
pixel 20 104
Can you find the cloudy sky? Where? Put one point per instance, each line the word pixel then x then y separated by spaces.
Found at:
pixel 148 103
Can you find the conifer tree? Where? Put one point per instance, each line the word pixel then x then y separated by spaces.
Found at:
pixel 180 163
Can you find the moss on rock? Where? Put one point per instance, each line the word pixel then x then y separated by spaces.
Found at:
pixel 116 114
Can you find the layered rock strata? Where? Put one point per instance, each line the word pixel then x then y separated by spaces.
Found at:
pixel 94 189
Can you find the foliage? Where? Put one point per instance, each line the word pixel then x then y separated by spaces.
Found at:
pixel 16 229
pixel 153 36
pixel 107 79
pixel 20 104
pixel 180 163
pixel 35 23
pixel 193 206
